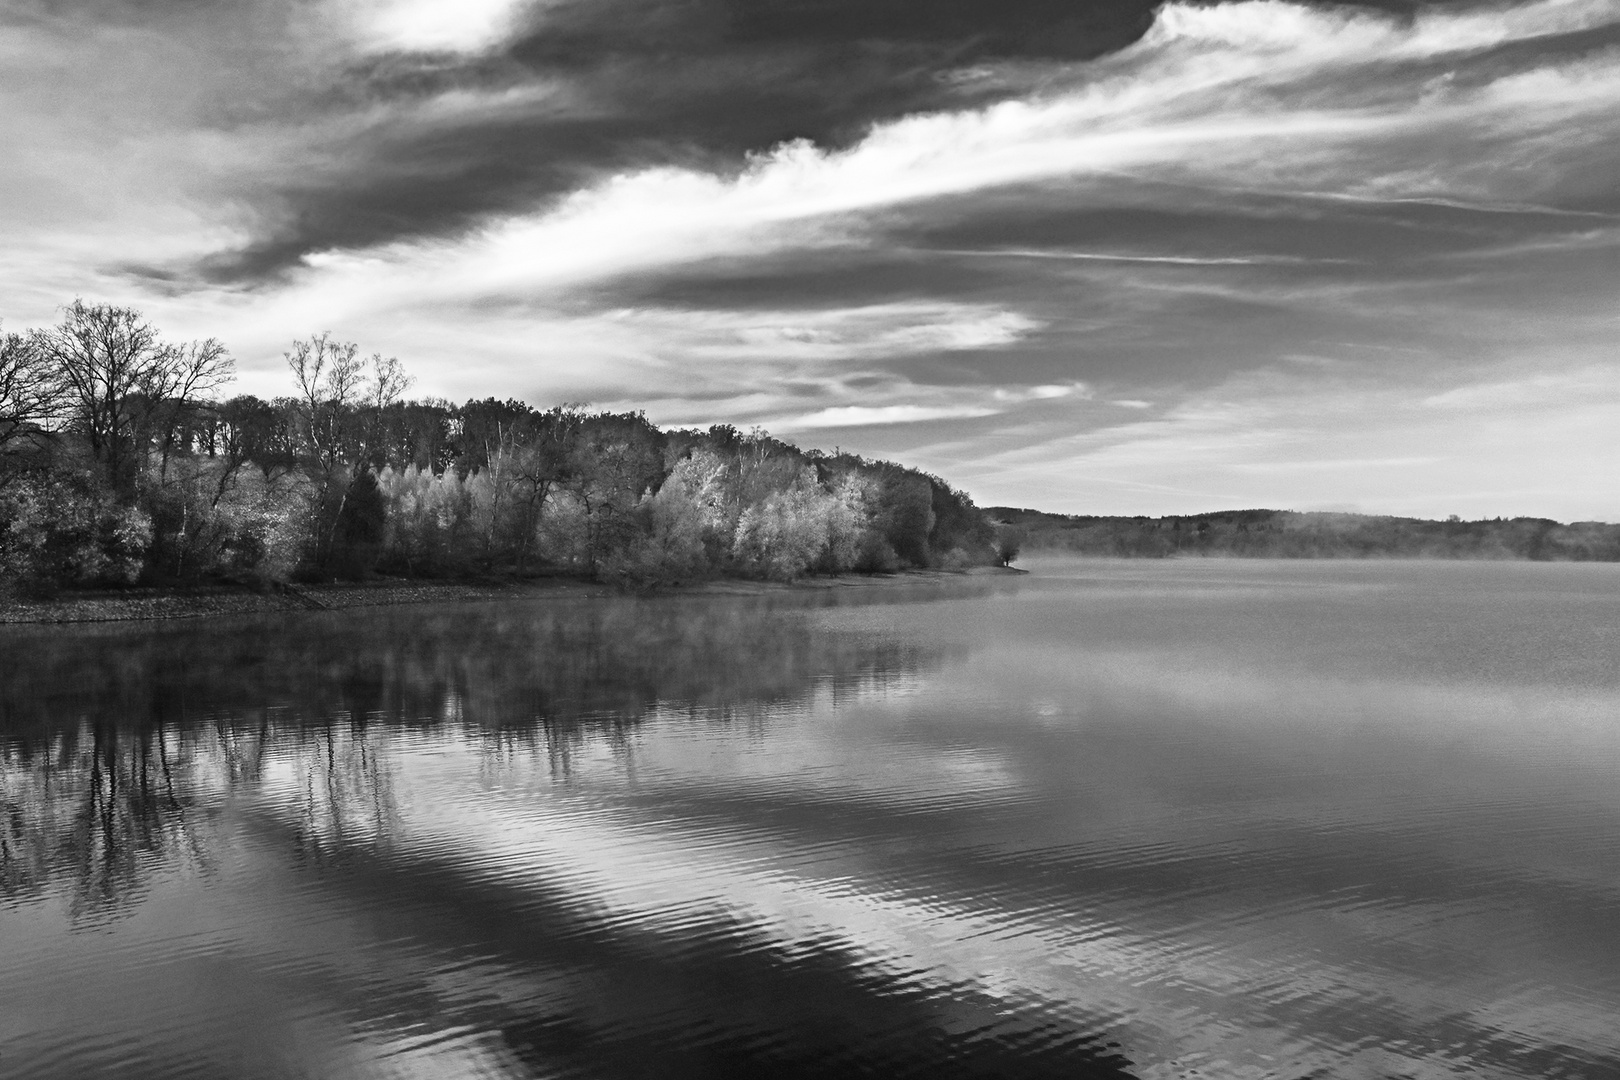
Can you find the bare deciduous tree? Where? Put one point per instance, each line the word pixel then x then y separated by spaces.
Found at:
pixel 31 396
pixel 387 386
pixel 102 353
pixel 115 370
pixel 190 372
pixel 388 381
pixel 330 377
pixel 334 397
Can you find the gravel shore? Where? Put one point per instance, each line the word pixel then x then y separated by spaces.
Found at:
pixel 145 604
pixel 141 604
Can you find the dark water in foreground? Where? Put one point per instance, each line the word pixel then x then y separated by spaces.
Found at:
pixel 1219 819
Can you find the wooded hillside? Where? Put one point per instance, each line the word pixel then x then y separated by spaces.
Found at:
pixel 1291 535
pixel 121 462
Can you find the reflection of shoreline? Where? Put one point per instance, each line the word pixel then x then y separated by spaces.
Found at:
pixel 118 743
pixel 160 604
pixel 562 663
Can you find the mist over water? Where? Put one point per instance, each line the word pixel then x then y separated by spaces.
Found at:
pixel 1112 819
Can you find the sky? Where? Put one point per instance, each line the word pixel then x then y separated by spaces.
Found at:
pixel 1090 256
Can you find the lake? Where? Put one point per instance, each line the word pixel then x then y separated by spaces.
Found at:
pixel 1109 819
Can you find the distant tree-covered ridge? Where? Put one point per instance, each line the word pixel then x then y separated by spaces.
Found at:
pixel 1288 534
pixel 121 462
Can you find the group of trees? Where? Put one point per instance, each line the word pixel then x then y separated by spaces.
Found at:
pixel 120 463
pixel 1284 534
pixel 92 419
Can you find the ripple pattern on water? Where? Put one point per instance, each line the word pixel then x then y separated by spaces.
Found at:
pixel 1150 821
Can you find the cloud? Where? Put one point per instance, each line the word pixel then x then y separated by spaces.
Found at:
pixel 1047 392
pixel 1527 393
pixel 353 91
pixel 868 332
pixel 910 403
pixel 868 415
pixel 1517 441
pixel 433 25
pixel 1200 92
pixel 1197 98
pixel 1292 32
pixel 1008 217
pixel 1119 257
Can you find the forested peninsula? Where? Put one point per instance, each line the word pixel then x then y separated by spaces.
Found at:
pixel 123 463
pixel 1286 534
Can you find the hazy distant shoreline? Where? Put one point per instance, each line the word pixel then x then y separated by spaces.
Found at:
pixel 159 604
pixel 1288 534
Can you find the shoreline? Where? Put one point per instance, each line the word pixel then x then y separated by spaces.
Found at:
pixel 163 604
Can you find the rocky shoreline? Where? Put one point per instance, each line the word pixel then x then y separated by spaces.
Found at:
pixel 132 605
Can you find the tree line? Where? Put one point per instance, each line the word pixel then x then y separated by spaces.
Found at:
pixel 1286 534
pixel 121 463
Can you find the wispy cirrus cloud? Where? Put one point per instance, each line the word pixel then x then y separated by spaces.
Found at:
pixel 1280 438
pixel 854 416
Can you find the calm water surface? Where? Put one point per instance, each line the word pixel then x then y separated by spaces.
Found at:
pixel 1134 819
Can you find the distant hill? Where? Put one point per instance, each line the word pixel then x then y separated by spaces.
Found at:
pixel 1292 535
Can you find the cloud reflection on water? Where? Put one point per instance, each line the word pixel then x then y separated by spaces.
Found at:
pixel 1233 818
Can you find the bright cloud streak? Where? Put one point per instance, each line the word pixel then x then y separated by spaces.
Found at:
pixel 430 25
pixel 866 415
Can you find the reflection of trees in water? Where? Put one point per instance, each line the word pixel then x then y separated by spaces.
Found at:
pixel 564 663
pixel 102 805
pixel 117 745
pixel 101 809
pixel 126 755
pixel 340 789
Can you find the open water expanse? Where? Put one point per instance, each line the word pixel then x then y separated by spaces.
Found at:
pixel 1112 819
